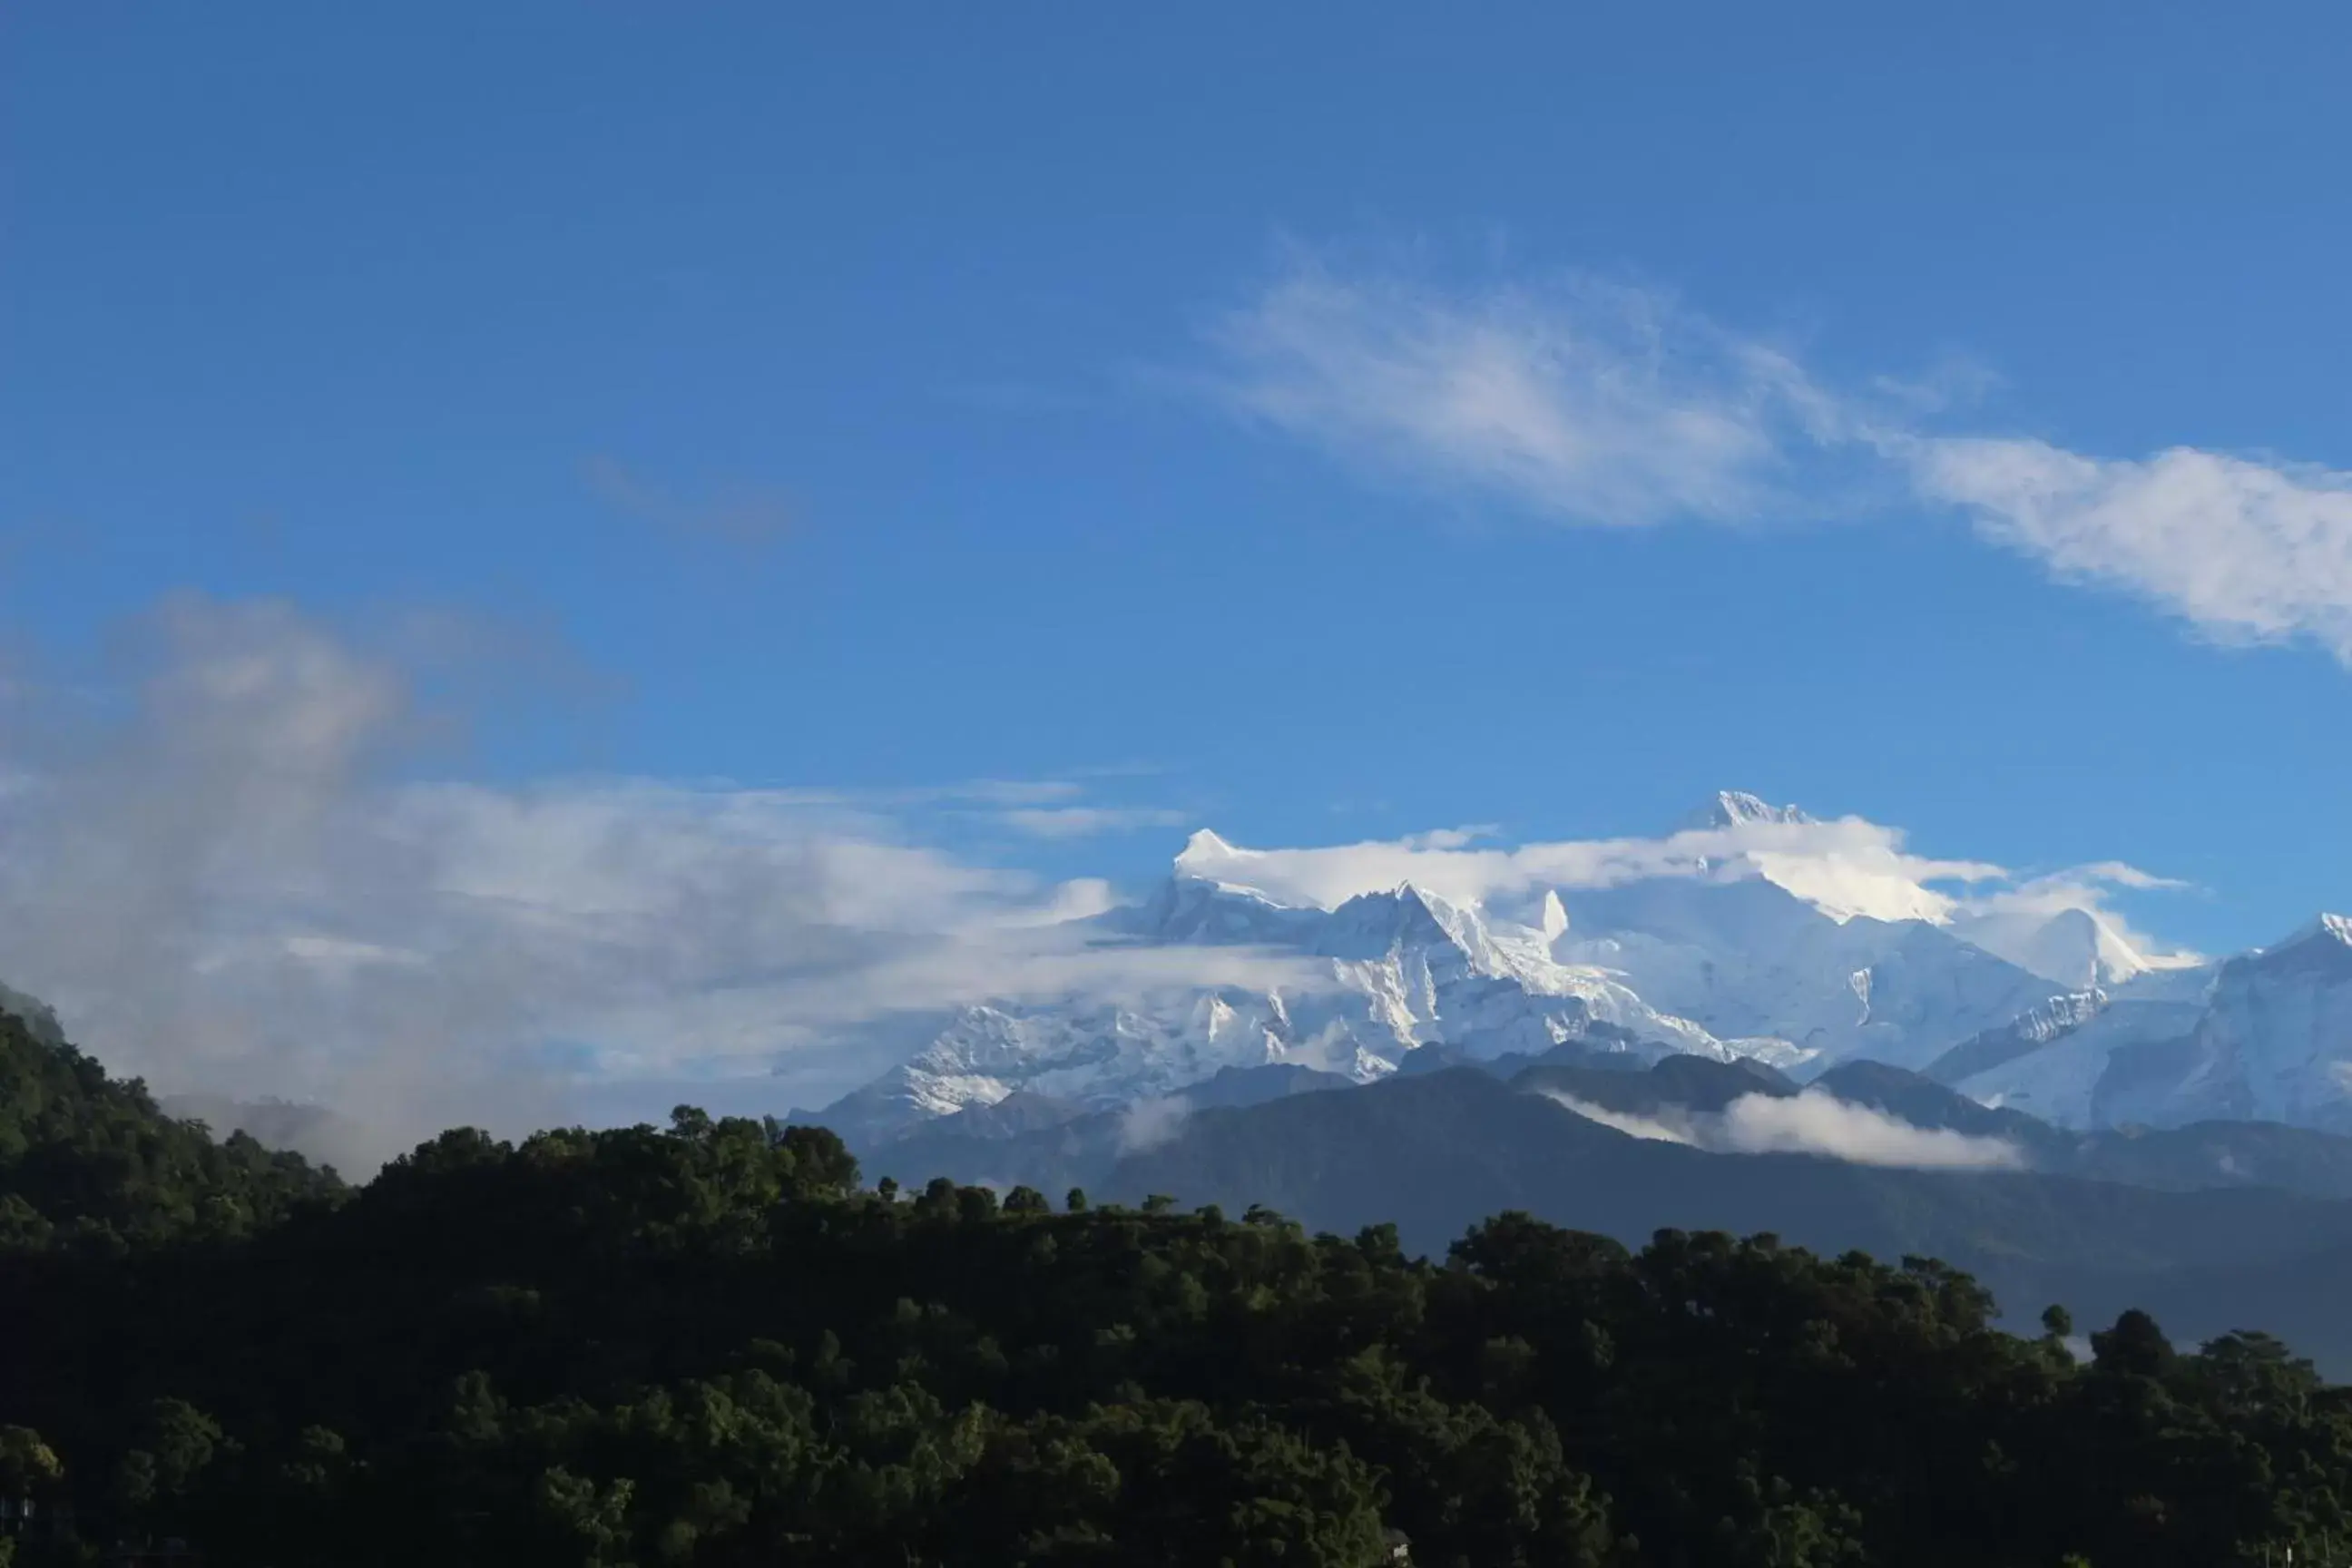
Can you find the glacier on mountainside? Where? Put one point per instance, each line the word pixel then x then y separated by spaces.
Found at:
pixel 2059 1058
pixel 2274 1043
pixel 2022 1035
pixel 2265 1035
pixel 1748 957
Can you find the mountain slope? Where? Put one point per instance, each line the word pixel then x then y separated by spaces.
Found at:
pixel 1427 1151
pixel 2274 1042
pixel 2266 1036
pixel 1091 1053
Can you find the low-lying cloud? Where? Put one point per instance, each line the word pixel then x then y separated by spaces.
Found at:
pixel 1812 1122
pixel 1818 1123
pixel 223 871
pixel 1148 1124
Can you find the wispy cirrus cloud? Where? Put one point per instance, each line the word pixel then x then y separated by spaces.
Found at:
pixel 1590 402
pixel 1608 405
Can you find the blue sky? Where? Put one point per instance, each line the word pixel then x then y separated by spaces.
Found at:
pixel 868 399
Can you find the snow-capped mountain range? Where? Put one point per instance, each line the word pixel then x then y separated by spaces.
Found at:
pixel 2056 1014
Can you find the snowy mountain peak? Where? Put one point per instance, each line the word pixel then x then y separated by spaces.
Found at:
pixel 2325 946
pixel 1403 916
pixel 1208 857
pixel 1194 908
pixel 2334 930
pixel 1737 808
pixel 1203 845
pixel 1553 921
pixel 2078 947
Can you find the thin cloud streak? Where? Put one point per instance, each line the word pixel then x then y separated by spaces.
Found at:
pixel 1648 1129
pixel 745 517
pixel 1090 821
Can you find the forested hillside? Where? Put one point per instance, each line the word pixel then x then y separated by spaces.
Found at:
pixel 710 1343
pixel 90 1164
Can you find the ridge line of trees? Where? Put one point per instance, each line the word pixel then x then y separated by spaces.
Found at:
pixel 712 1343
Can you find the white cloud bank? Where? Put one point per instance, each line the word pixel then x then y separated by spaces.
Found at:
pixel 1849 866
pixel 1812 1122
pixel 1845 868
pixel 223 881
pixel 1607 404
